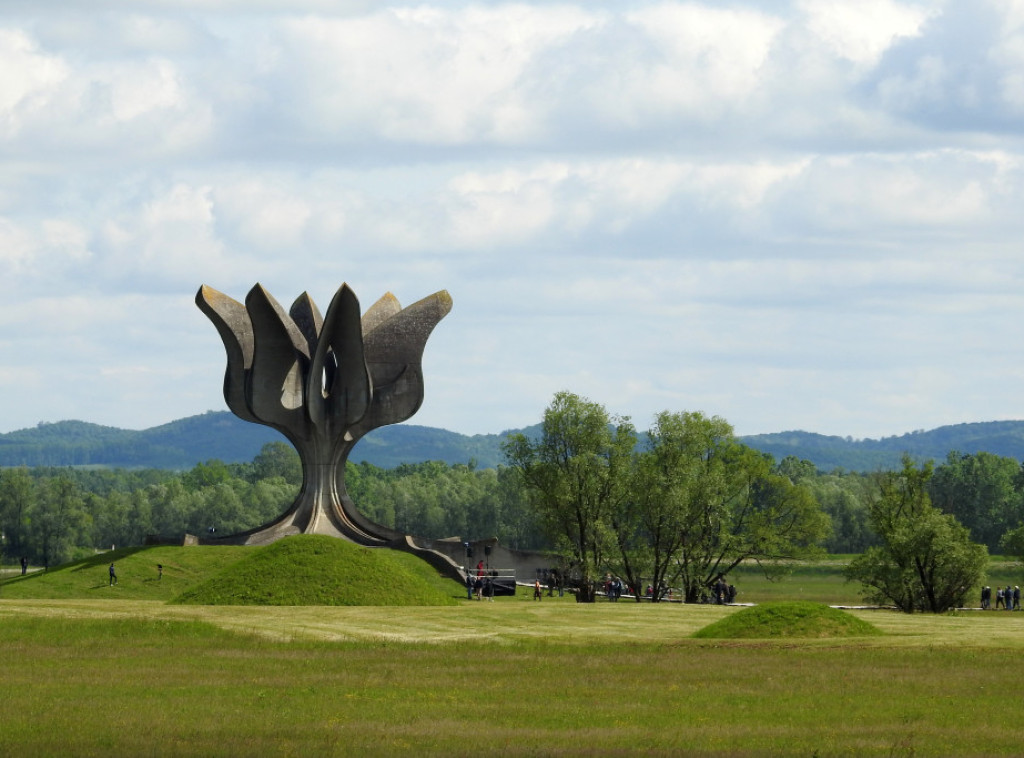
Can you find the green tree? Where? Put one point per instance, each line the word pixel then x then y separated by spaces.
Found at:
pixel 666 509
pixel 59 521
pixel 170 507
pixel 278 459
pixel 702 503
pixel 576 474
pixel 109 518
pixel 982 491
pixel 207 474
pixel 1012 543
pixel 741 510
pixel 796 470
pixel 517 527
pixel 927 561
pixel 17 499
pixel 844 498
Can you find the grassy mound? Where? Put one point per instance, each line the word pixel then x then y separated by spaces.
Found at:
pixel 137 574
pixel 317 570
pixel 773 620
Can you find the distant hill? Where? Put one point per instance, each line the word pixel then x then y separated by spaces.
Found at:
pixel 183 443
pixel 1005 438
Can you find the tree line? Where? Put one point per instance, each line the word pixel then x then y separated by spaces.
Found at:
pixel 676 506
pixel 52 515
pixel 691 503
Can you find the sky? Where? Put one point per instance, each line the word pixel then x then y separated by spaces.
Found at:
pixel 794 215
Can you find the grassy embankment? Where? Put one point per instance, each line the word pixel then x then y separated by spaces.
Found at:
pixel 184 568
pixel 96 672
pixel 308 570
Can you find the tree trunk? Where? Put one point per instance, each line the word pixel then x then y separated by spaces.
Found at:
pixel 586 592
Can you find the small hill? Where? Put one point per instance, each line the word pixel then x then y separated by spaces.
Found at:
pixel 781 620
pixel 318 570
pixel 137 574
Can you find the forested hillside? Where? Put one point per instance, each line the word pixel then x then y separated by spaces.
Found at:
pixel 220 435
pixel 1002 438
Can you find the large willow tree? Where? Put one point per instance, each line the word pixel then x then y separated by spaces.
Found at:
pixel 708 503
pixel 689 506
pixel 576 474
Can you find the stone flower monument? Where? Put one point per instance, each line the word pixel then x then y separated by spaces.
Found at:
pixel 323 382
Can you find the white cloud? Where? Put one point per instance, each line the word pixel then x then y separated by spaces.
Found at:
pixel 29 76
pixel 422 74
pixel 1008 53
pixel 265 215
pixel 169 241
pixel 799 214
pixel 115 106
pixel 861 31
pixel 16 245
pixel 705 58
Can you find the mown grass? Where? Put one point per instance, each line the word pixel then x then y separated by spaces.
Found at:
pixel 157 686
pixel 824 582
pixel 815 583
pixel 91 670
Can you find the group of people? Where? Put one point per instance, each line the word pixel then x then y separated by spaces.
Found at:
pixel 722 593
pixel 481 585
pixel 613 588
pixel 1008 598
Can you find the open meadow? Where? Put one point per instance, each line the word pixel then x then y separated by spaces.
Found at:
pixel 110 673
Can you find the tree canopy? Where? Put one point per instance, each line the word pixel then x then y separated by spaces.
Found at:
pixel 685 509
pixel 926 560
pixel 576 475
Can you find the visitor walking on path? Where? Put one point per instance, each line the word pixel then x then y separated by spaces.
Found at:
pixel 113 576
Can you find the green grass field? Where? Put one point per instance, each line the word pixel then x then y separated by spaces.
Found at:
pixel 101 671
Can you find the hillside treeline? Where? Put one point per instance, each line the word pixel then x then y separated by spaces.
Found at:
pixel 50 515
pixel 985 493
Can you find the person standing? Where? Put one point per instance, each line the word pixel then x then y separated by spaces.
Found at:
pixel 24 565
